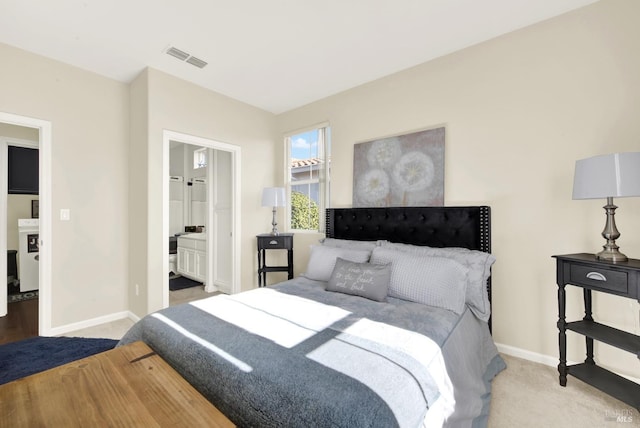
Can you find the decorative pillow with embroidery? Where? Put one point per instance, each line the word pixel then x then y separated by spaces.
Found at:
pixel 360 279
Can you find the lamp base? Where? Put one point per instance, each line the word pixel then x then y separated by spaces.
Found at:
pixel 611 255
pixel 274 224
pixel 610 251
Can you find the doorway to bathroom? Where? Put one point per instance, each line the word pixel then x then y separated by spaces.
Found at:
pixel 200 217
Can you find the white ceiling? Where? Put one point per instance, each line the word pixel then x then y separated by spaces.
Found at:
pixel 274 54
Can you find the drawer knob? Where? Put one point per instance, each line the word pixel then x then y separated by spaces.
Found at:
pixel 274 242
pixel 597 276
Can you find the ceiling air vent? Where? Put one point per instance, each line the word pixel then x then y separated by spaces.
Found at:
pixel 197 62
pixel 175 52
pixel 184 56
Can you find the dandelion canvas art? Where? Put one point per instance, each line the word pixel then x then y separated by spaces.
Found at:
pixel 405 170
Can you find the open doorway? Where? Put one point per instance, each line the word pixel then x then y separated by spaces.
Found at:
pixel 201 213
pixel 38 133
pixel 22 211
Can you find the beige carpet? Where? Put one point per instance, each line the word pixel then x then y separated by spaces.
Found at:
pixel 188 295
pixel 528 394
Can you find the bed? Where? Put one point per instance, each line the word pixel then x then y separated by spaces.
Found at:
pixel 388 326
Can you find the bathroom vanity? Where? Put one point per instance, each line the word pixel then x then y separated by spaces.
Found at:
pixel 192 256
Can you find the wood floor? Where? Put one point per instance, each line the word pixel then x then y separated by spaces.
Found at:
pixel 127 386
pixel 21 321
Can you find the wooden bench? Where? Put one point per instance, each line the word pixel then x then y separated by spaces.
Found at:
pixel 126 386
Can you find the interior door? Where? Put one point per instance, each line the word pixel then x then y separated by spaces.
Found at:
pixel 222 219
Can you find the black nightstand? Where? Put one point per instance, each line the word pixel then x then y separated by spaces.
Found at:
pixel 622 279
pixel 266 241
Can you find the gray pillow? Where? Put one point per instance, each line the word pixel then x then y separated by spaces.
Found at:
pixel 433 281
pixel 360 279
pixel 323 259
pixel 478 262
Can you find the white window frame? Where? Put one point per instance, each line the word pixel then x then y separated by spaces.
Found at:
pixel 324 179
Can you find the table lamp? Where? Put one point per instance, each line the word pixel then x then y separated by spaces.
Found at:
pixel 608 176
pixel 273 197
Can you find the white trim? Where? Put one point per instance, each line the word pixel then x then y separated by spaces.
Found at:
pixel 287 181
pixel 46 242
pixel 210 286
pixel 68 328
pixel 3 227
pixel 133 317
pixel 302 130
pixel 166 155
pixel 18 142
pixel 547 360
pixel 167 137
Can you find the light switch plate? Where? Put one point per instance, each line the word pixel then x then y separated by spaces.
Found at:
pixel 65 214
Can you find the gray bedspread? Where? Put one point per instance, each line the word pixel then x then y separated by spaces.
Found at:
pixel 295 355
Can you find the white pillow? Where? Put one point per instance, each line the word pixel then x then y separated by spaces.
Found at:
pixel 323 259
pixel 477 262
pixel 433 281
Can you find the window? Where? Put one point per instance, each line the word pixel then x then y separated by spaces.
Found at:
pixel 308 178
pixel 200 158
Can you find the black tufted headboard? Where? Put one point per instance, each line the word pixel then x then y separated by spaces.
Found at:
pixel 467 227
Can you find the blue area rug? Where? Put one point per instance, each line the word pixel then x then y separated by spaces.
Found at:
pixel 37 354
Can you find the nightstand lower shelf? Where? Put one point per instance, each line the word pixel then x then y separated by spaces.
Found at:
pixel 610 383
pixel 609 335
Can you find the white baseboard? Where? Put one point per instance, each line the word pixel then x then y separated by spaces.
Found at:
pixel 56 331
pixel 527 355
pixel 133 317
pixel 547 360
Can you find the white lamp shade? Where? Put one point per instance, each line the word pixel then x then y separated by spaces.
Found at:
pixel 612 175
pixel 273 197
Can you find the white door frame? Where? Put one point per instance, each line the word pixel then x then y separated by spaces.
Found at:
pixel 5 142
pixel 44 154
pixel 167 137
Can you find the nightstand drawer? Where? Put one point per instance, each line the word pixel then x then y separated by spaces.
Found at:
pixel 277 242
pixel 606 279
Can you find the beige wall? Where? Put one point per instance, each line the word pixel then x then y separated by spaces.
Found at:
pixel 176 105
pixel 89 116
pixel 19 132
pixel 518 110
